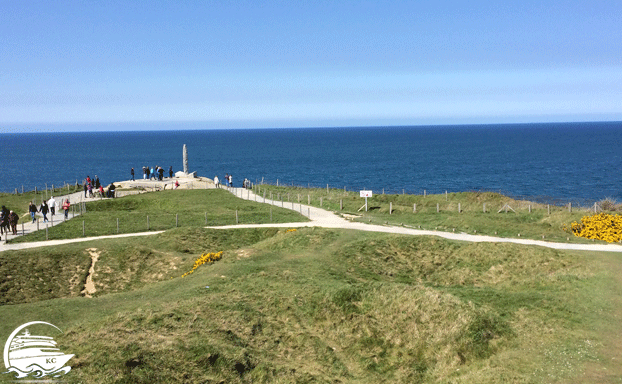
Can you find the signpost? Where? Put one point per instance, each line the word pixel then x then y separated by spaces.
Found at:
pixel 365 194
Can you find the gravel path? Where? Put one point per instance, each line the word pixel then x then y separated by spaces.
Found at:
pixel 318 218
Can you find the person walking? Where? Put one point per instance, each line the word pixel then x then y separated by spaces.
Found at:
pixel 132 173
pixel 32 209
pixel 66 206
pixel 13 219
pixel 52 205
pixel 4 220
pixel 44 209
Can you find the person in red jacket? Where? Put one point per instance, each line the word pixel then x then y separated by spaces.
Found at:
pixel 66 206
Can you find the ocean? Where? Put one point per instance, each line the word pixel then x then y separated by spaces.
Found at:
pixel 549 162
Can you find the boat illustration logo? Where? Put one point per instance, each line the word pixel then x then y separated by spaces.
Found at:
pixel 34 356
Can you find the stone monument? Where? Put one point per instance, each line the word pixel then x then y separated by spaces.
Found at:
pixel 185 159
pixel 185 173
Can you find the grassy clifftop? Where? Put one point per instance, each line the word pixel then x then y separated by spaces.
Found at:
pixel 318 305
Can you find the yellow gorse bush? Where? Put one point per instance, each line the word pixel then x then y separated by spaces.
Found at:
pixel 602 226
pixel 291 230
pixel 204 259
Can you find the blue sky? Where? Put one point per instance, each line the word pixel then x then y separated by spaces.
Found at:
pixel 244 64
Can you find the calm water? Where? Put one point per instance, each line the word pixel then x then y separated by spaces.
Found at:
pixel 578 162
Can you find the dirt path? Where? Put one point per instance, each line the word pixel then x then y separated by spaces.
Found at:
pixel 322 218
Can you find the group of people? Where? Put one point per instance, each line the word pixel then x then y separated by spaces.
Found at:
pixel 92 187
pixel 228 180
pixel 8 221
pixel 92 184
pixel 156 173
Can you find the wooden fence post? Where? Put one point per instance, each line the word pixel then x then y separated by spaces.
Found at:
pixel 390 207
pixel 484 208
pixel 459 208
pixel 548 209
pixel 415 208
pixel 320 202
pixel 424 193
pixel 438 208
pixel 341 204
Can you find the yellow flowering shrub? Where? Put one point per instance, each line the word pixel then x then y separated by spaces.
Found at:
pixel 204 259
pixel 602 226
pixel 291 230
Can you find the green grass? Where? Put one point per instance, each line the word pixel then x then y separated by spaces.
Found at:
pixel 537 224
pixel 318 305
pixel 165 210
pixel 19 202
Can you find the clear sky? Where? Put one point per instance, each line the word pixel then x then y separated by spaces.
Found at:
pixel 308 63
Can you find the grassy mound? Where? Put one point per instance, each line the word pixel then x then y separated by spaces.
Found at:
pixel 319 305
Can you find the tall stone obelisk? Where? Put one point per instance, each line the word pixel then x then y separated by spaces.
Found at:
pixel 185 160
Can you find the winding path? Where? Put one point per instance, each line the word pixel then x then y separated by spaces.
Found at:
pixel 322 218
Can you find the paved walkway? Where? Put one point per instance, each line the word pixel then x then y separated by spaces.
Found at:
pixel 322 218
pixel 319 218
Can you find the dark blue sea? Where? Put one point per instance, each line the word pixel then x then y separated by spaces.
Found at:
pixel 554 162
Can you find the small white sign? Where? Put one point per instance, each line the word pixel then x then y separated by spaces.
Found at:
pixel 366 194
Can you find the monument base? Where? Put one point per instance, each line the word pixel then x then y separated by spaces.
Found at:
pixel 184 175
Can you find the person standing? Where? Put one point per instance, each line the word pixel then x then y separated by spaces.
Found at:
pixel 66 206
pixel 32 209
pixel 132 173
pixel 52 204
pixel 144 173
pixel 44 209
pixel 216 181
pixel 170 172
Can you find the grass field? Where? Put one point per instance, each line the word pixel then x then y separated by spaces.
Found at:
pixel 164 210
pixel 320 306
pixel 526 219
